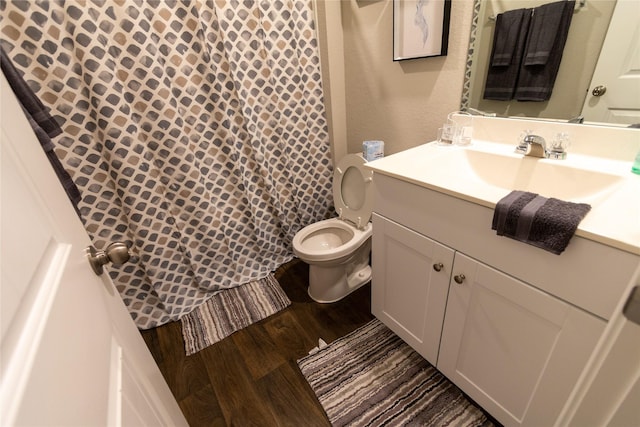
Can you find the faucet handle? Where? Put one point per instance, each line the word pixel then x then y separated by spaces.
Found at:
pixel 559 145
pixel 560 142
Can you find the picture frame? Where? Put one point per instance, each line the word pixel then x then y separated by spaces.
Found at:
pixel 420 28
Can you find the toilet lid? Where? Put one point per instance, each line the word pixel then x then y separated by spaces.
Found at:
pixel 353 190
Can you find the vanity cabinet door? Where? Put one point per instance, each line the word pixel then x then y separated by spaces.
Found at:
pixel 410 284
pixel 515 350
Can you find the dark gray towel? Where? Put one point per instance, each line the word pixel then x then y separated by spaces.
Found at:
pixel 506 55
pixel 505 37
pixel 547 223
pixel 543 51
pixel 43 124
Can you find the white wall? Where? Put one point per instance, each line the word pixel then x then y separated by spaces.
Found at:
pixel 402 103
pixel 331 44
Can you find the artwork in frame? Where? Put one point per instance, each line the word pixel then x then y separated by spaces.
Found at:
pixel 420 28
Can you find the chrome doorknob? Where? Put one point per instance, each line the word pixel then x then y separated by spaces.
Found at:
pixel 116 253
pixel 599 90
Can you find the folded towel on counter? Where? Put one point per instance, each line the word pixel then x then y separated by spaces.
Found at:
pixel 506 55
pixel 543 51
pixel 547 223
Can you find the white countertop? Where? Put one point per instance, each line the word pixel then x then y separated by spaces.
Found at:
pixel 614 218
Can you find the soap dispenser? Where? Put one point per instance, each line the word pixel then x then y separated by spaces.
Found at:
pixel 636 164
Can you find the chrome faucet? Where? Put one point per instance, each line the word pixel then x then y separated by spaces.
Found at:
pixel 533 146
pixel 536 146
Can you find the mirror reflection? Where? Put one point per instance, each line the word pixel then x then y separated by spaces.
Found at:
pixel 573 93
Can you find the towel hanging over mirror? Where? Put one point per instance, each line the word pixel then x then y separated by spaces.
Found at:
pixel 506 54
pixel 543 51
pixel 527 51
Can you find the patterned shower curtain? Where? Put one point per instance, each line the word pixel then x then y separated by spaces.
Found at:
pixel 194 129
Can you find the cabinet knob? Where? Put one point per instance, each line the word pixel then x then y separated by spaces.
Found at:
pixel 459 278
pixel 438 266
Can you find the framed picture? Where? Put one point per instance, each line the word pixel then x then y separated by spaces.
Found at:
pixel 420 28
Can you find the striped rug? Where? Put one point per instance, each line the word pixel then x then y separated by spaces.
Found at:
pixel 230 310
pixel 372 378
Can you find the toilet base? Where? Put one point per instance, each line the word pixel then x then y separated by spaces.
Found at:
pixel 343 282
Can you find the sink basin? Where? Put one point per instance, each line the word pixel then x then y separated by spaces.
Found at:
pixel 549 178
pixel 473 169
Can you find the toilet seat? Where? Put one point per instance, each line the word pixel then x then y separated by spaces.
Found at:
pixel 352 190
pixel 326 248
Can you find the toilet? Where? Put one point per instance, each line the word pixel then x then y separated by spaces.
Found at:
pixel 337 249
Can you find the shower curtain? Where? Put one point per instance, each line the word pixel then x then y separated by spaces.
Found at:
pixel 195 130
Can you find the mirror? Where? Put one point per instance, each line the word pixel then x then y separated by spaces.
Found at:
pixel 586 35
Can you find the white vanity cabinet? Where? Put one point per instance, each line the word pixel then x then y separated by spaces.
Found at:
pixel 517 332
pixel 515 350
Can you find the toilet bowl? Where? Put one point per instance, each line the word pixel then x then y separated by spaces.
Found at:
pixel 337 249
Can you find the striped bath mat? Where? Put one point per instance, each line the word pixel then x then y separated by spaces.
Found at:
pixel 371 378
pixel 230 310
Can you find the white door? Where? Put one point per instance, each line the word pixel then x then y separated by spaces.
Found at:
pixel 70 352
pixel 618 70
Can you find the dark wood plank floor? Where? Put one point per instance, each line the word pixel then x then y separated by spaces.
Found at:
pixel 251 378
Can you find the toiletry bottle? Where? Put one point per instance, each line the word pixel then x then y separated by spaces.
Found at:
pixel 636 164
